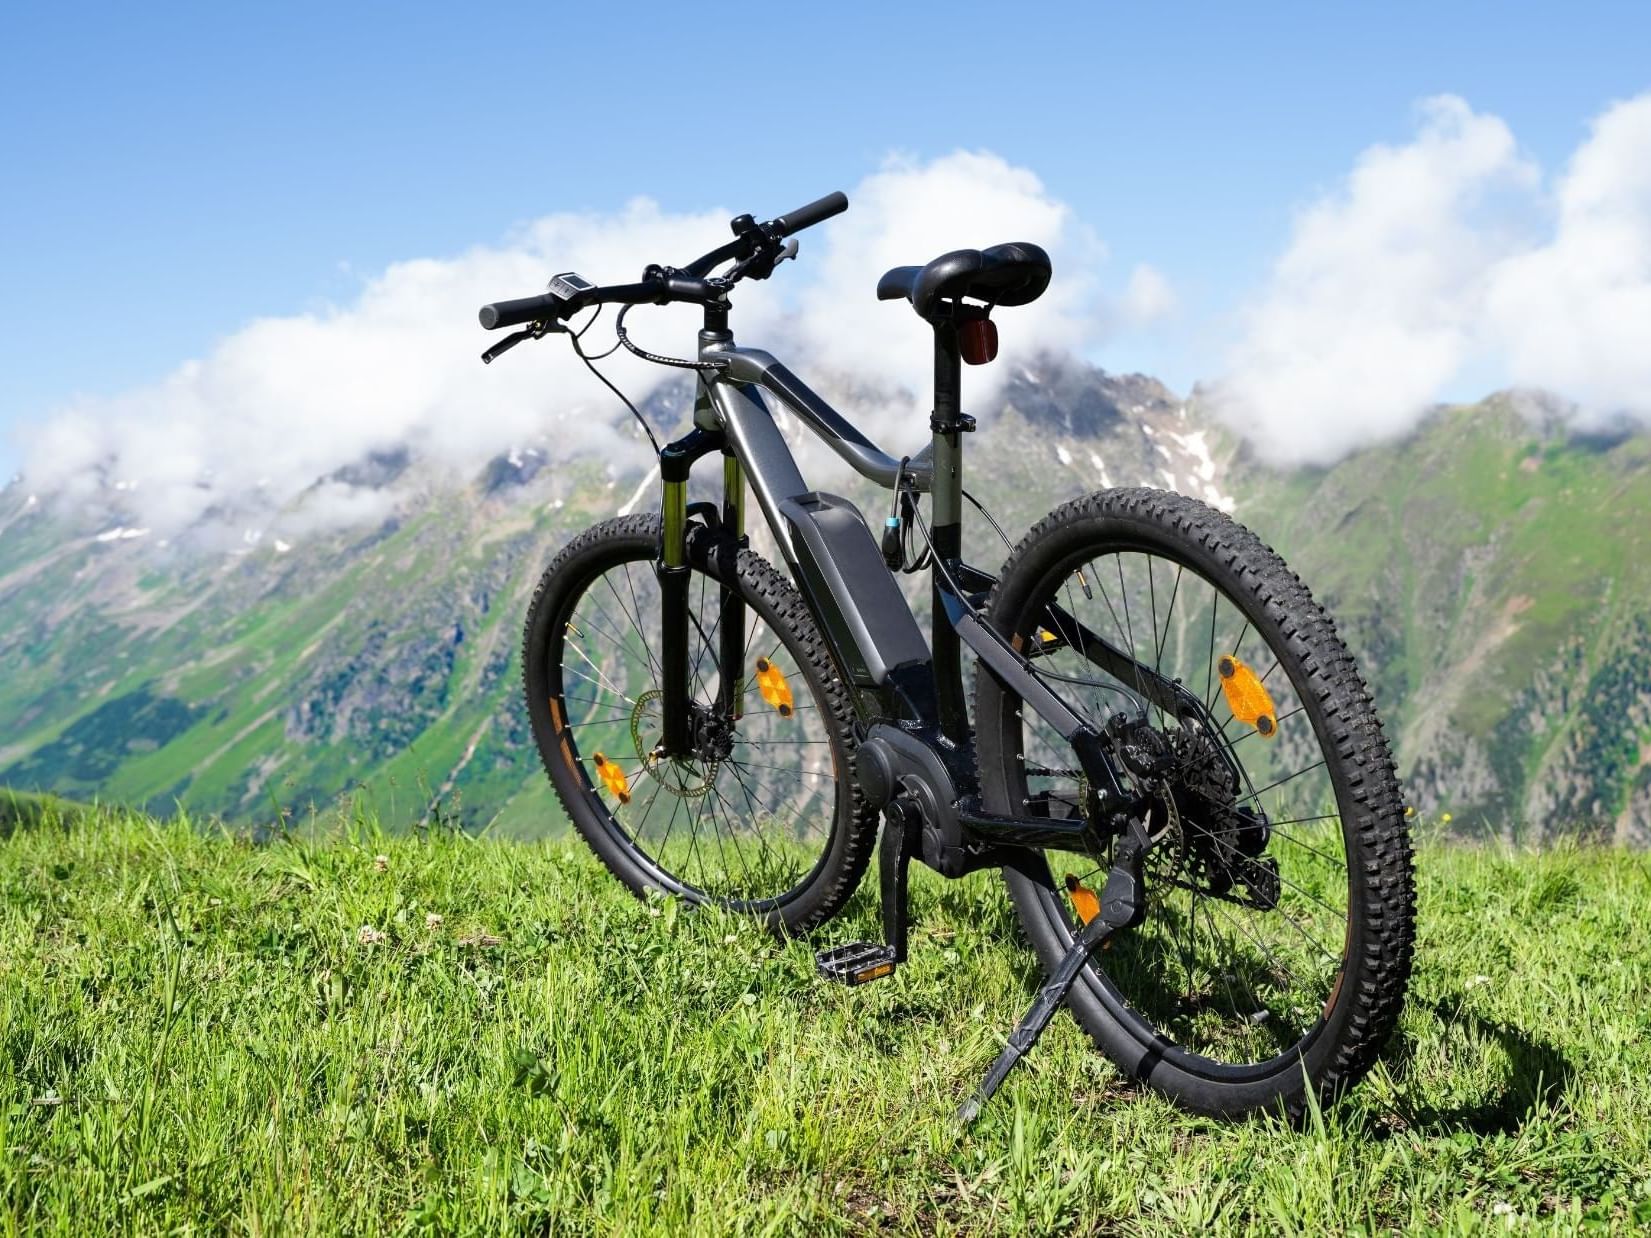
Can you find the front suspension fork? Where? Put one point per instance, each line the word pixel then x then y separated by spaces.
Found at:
pixel 675 693
pixel 731 618
pixel 676 621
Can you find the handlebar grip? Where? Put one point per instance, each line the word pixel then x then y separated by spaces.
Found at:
pixel 813 213
pixel 513 313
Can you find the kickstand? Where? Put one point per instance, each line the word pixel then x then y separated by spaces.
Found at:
pixel 1122 905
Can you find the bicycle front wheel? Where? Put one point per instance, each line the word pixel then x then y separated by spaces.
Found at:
pixel 763 816
pixel 1276 947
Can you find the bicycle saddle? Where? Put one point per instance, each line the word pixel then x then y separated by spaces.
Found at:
pixel 1011 274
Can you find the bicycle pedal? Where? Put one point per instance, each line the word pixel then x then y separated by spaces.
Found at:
pixel 859 962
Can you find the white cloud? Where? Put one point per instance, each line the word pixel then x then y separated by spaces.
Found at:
pixel 1574 315
pixel 1148 297
pixel 1368 312
pixel 1421 268
pixel 283 402
pixel 908 213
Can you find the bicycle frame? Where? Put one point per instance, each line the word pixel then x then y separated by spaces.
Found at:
pixel 908 692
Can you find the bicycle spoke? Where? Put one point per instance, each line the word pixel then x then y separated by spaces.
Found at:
pixel 1225 973
pixel 734 826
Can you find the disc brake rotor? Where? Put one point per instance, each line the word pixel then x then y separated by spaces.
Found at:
pixel 686 779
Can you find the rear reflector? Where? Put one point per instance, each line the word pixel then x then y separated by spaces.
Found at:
pixel 977 340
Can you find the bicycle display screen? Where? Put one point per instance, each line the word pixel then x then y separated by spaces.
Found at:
pixel 567 285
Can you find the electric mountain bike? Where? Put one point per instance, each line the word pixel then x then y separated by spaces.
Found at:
pixel 1171 756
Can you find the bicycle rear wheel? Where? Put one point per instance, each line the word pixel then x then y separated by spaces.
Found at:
pixel 764 817
pixel 1276 947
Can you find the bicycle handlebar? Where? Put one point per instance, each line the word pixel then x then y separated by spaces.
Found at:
pixel 662 286
pixel 818 211
pixel 549 305
pixel 498 314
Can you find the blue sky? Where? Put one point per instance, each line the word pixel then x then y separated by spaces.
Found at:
pixel 172 172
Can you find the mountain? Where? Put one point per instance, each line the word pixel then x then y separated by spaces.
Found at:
pixel 1489 570
pixel 1492 571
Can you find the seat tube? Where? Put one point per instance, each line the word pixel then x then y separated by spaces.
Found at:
pixel 946 499
pixel 674 465
pixel 731 648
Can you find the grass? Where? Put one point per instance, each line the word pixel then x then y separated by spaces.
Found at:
pixel 343 1031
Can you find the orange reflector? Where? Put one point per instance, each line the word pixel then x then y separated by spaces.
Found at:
pixel 614 778
pixel 1084 901
pixel 771 683
pixel 1247 696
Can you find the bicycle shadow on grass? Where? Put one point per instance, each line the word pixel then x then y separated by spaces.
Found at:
pixel 1537 1078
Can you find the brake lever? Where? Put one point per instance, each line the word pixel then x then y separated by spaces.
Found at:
pixel 530 332
pixel 761 264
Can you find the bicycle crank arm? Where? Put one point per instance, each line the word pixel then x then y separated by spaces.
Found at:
pixel 1123 905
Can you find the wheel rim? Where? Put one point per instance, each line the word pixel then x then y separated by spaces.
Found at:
pixel 747 822
pixel 1241 978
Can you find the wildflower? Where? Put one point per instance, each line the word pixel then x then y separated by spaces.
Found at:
pixel 1409 810
pixel 381 863
pixel 1445 817
pixel 369 936
pixel 432 921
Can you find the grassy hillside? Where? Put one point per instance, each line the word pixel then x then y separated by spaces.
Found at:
pixel 1494 575
pixel 344 1031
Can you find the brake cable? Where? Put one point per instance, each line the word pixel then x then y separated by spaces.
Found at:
pixel 678 362
pixel 899 531
pixel 603 379
pixel 990 519
pixel 539 329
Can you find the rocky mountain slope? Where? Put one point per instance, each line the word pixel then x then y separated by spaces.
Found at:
pixel 1489 571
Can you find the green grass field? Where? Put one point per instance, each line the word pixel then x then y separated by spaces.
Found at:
pixel 351 1032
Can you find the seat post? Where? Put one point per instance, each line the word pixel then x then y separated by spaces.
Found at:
pixel 948 423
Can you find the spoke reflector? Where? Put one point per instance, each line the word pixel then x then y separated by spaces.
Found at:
pixel 1247 696
pixel 775 690
pixel 614 778
pixel 1084 901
